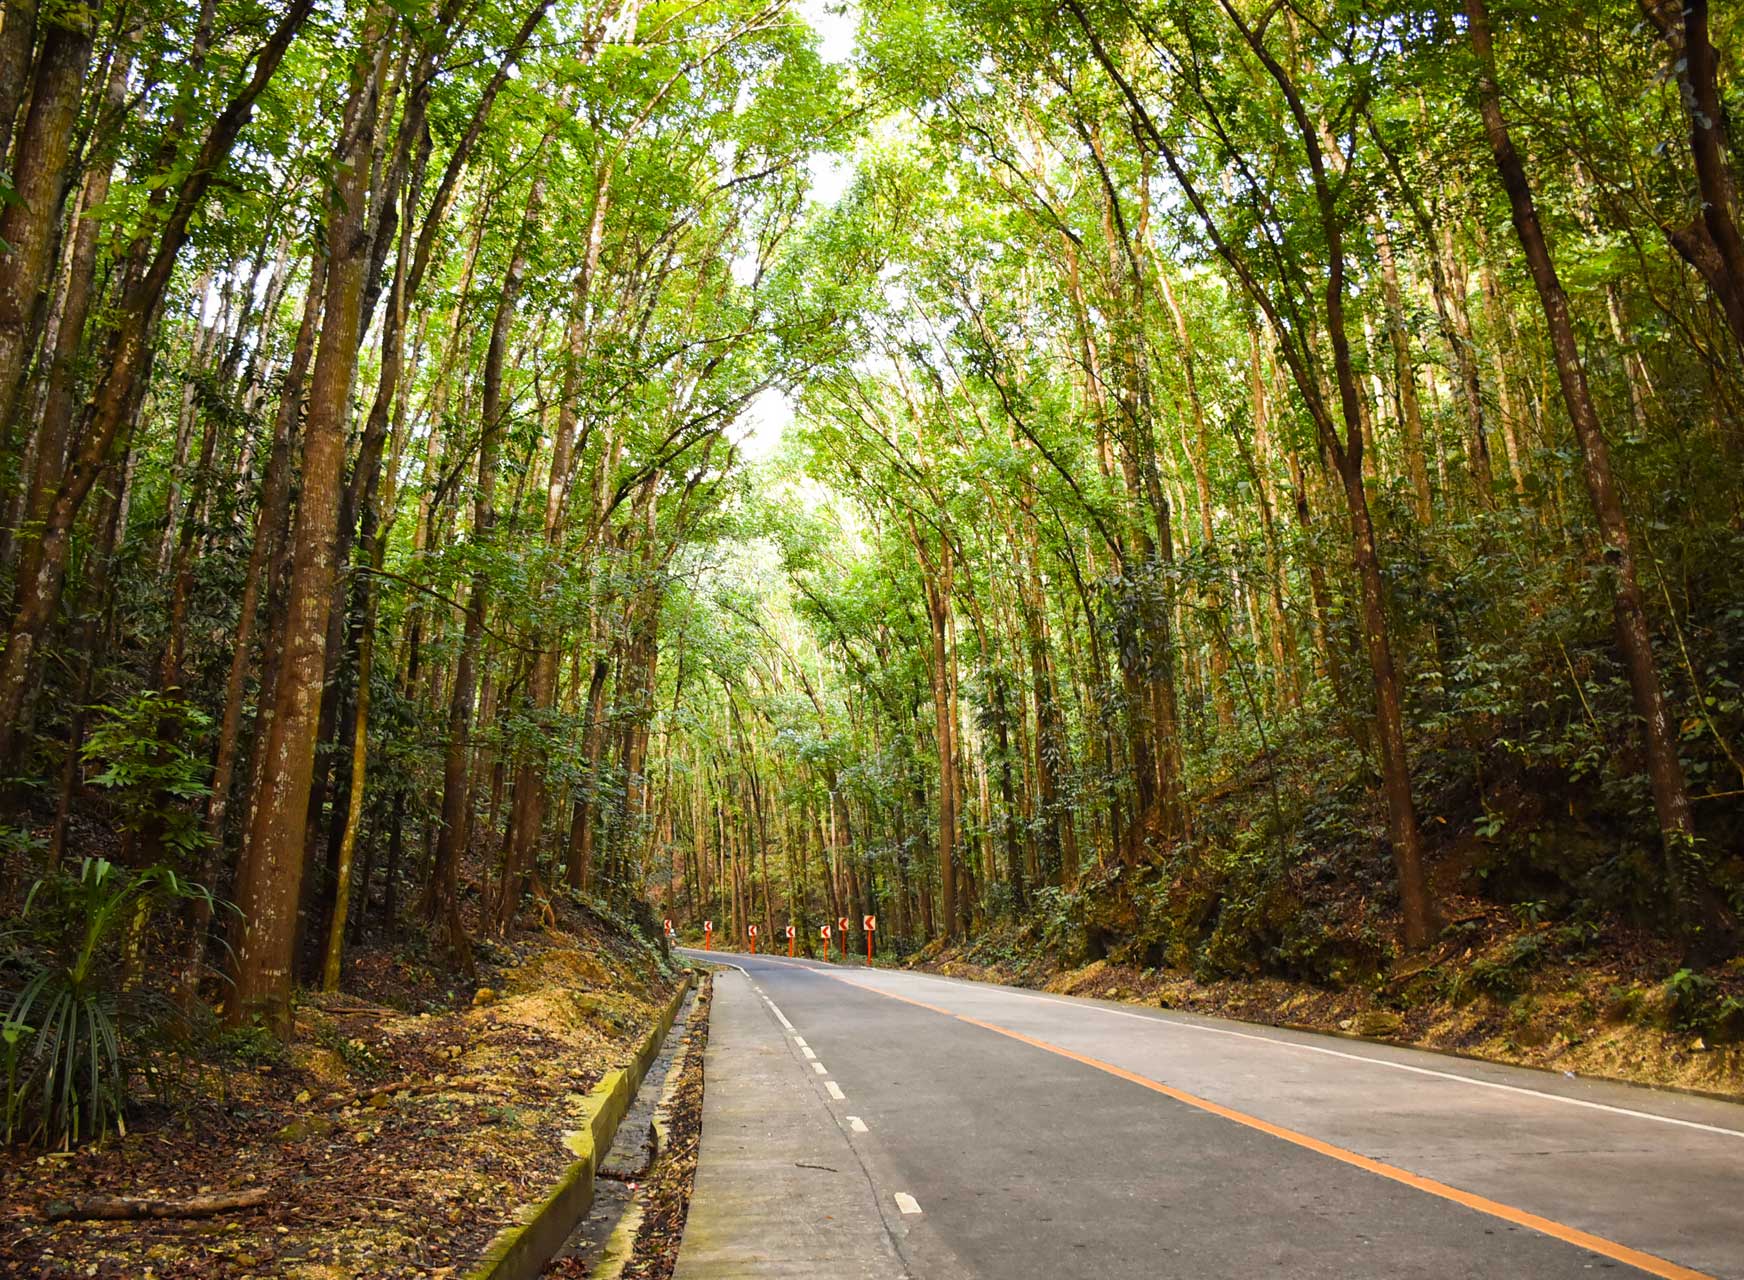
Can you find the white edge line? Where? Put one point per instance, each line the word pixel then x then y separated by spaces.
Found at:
pixel 1180 1024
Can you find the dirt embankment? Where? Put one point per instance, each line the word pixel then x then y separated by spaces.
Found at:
pixel 394 1138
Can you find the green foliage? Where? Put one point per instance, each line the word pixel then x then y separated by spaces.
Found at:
pixel 19 846
pixel 1057 917
pixel 1695 1003
pixel 251 1044
pixel 1042 397
pixel 351 1050
pixel 82 1017
pixel 149 754
pixel 1504 974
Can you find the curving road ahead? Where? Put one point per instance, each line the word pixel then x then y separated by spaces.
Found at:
pixel 885 1124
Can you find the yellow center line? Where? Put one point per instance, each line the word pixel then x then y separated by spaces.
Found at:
pixel 1652 1265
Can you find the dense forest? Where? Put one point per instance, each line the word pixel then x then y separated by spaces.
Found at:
pixel 1242 488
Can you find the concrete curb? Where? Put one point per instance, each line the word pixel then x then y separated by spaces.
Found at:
pixel 521 1251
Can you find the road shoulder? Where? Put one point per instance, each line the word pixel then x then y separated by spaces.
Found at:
pixel 779 1189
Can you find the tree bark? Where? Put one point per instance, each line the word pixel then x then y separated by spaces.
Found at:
pixel 55 427
pixel 1712 243
pixel 270 875
pixel 937 572
pixel 29 225
pixel 1707 925
pixel 1404 378
pixel 17 39
pixel 120 388
pixel 1419 921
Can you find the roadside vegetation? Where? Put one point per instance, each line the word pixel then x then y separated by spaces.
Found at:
pixel 407 1122
pixel 1233 497
pixel 1276 520
pixel 362 367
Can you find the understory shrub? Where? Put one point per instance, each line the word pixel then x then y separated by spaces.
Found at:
pixel 85 1017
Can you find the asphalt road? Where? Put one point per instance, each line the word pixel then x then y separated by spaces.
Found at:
pixel 878 1123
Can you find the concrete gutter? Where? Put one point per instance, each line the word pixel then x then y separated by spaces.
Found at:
pixel 521 1251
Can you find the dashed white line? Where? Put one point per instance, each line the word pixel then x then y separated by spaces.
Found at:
pixel 907 1203
pixel 835 1091
pixel 779 1016
pixel 856 1124
pixel 799 1040
pixel 806 1050
pixel 819 1068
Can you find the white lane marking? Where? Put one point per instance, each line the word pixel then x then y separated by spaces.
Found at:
pixel 856 1124
pixel 779 1016
pixel 819 1068
pixel 835 1091
pixel 806 1050
pixel 799 1040
pixel 1174 1024
pixel 907 1203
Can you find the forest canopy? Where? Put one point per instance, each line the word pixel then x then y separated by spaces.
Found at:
pixel 1245 487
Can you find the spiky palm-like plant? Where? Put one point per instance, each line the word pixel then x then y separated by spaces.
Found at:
pixel 79 1015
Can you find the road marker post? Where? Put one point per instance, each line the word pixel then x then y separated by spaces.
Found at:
pixel 871 925
pixel 708 934
pixel 842 924
pixel 824 933
pixel 792 933
pixel 752 931
pixel 669 934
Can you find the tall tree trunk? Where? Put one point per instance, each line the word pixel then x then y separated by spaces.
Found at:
pixel 270 875
pixel 120 388
pixel 1258 462
pixel 17 40
pixel 1198 457
pixel 1008 827
pixel 937 573
pixel 584 818
pixel 1708 927
pixel 55 427
pixel 1058 861
pixel 334 955
pixel 1404 377
pixel 1712 243
pixel 30 223
pixel 456 768
pixel 1458 329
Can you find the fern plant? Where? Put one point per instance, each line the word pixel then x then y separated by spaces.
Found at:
pixel 81 1017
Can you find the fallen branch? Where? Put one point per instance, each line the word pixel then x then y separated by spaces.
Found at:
pixel 1440 956
pixel 126 1208
pixel 364 1010
pixel 414 1087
